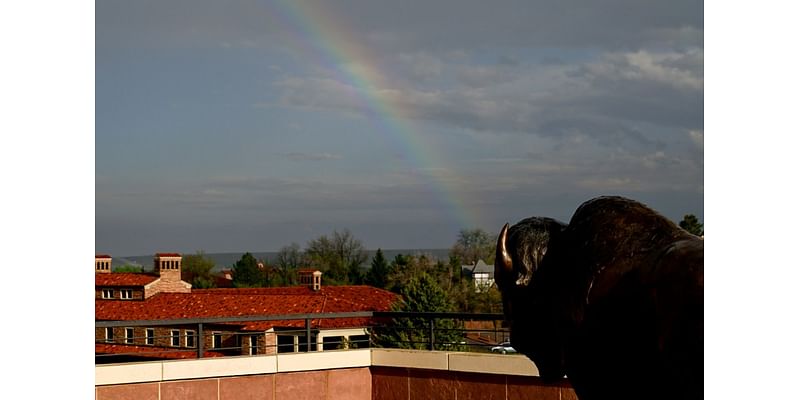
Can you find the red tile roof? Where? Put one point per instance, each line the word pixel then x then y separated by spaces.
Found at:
pixel 102 256
pixel 209 303
pixel 123 279
pixel 168 255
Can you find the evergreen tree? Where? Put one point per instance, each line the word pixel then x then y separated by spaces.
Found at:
pixel 421 294
pixel 692 225
pixel 354 274
pixel 402 269
pixel 400 261
pixel 456 275
pixel 378 274
pixel 246 272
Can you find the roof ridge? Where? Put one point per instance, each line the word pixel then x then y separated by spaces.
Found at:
pixel 324 302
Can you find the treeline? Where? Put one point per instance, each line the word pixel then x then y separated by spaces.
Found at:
pixel 340 257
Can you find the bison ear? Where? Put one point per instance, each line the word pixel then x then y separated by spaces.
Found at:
pixel 502 258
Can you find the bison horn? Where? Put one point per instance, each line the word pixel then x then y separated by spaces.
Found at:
pixel 503 259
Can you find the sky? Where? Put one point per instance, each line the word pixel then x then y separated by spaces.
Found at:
pixel 249 125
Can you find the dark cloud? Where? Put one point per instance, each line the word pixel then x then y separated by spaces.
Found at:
pixel 466 24
pixel 301 156
pixel 405 26
pixel 523 107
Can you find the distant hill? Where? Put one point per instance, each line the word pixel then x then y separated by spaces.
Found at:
pixel 226 260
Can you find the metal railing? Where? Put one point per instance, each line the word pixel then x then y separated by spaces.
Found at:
pixel 420 330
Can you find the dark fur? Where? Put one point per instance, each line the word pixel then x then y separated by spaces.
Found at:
pixel 616 303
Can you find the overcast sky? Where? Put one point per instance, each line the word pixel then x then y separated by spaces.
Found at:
pixel 248 125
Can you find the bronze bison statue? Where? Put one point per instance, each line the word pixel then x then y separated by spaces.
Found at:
pixel 613 300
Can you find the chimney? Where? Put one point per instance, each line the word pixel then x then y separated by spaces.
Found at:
pixel 102 264
pixel 167 266
pixel 311 278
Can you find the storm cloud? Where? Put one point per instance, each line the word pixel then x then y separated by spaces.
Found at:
pixel 254 124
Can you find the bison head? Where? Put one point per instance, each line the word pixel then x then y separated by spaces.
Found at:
pixel 520 254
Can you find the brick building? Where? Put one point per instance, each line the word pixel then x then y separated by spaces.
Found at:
pixel 162 295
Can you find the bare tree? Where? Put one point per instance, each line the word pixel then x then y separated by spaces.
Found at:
pixel 288 260
pixel 340 256
pixel 473 245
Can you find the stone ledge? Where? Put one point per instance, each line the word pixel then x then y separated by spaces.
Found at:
pixel 492 364
pixel 410 358
pixel 127 373
pixel 219 367
pixel 155 371
pixel 297 362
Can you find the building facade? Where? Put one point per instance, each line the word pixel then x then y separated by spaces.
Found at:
pixel 163 296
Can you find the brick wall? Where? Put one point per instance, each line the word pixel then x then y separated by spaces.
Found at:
pixel 392 383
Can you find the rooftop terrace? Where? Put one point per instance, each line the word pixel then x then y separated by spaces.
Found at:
pixel 329 370
pixel 348 374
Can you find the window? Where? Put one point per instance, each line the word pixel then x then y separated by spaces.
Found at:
pixel 302 343
pixel 217 341
pixel 286 343
pixel 109 334
pixel 253 345
pixel 175 337
pixel 108 293
pixel 150 336
pixel 126 294
pixel 359 341
pixel 333 342
pixel 190 338
pixel 129 335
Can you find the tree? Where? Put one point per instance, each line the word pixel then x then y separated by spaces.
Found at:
pixel 378 274
pixel 130 269
pixel 443 273
pixel 401 261
pixel 421 294
pixel 288 260
pixel 473 245
pixel 196 269
pixel 402 269
pixel 454 266
pixel 691 224
pixel 339 256
pixel 246 272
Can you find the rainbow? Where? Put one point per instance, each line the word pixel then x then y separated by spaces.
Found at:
pixel 333 46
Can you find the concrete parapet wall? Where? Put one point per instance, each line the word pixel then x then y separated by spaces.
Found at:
pixel 353 374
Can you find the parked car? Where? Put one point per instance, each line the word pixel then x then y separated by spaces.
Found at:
pixel 503 348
